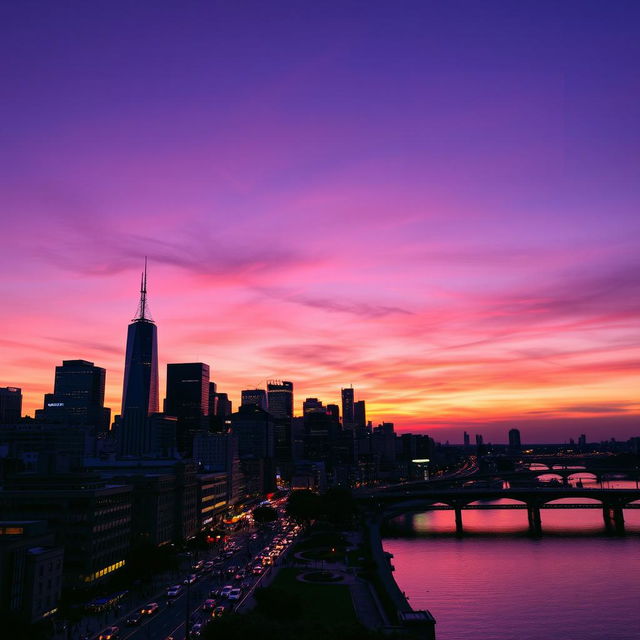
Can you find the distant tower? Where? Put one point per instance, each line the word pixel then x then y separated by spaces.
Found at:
pixel 140 397
pixel 348 416
pixel 78 396
pixel 467 440
pixel 360 413
pixel 514 440
pixel 254 396
pixel 10 405
pixel 280 397
pixel 188 400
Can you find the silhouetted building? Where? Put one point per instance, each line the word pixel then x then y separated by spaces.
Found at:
pixel 334 411
pixel 254 429
pixel 280 398
pixel 257 397
pixel 91 519
pixel 467 440
pixel 164 497
pixel 383 443
pixel 140 396
pixel 313 405
pixel 78 396
pixel 212 498
pixel 582 440
pixel 10 405
pixel 188 400
pixel 30 569
pixel 218 452
pixel 219 409
pixel 348 417
pixel 31 442
pixel 359 414
pixel 514 440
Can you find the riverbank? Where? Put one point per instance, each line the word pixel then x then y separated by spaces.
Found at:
pixel 395 600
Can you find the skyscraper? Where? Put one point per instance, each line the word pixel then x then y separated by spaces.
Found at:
pixel 280 396
pixel 255 396
pixel 140 396
pixel 10 405
pixel 188 400
pixel 78 396
pixel 140 392
pixel 359 414
pixel 514 440
pixel 347 408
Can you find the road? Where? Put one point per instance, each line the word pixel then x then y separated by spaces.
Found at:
pixel 170 619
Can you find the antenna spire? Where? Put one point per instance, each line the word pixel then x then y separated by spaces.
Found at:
pixel 143 312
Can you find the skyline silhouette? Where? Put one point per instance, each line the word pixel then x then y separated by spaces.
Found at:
pixel 437 205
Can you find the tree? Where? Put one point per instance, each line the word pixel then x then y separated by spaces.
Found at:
pixel 338 506
pixel 264 514
pixel 304 505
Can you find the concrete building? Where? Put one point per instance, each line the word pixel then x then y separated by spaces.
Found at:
pixel 78 396
pixel 10 405
pixel 30 569
pixel 89 518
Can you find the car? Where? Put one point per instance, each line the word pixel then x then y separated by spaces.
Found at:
pixel 209 604
pixel 226 590
pixel 110 633
pixel 217 612
pixel 196 630
pixel 149 609
pixel 235 594
pixel 174 591
pixel 197 566
pixel 240 575
pixel 257 570
pixel 134 619
pixel 190 579
pixel 214 593
pixel 208 566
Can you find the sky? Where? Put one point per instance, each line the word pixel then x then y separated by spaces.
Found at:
pixel 436 202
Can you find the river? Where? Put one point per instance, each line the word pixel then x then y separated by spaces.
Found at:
pixel 497 583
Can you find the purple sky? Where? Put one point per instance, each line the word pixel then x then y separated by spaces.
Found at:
pixel 434 201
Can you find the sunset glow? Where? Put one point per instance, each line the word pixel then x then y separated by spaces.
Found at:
pixel 451 228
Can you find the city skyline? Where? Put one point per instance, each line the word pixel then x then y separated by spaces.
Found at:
pixel 377 200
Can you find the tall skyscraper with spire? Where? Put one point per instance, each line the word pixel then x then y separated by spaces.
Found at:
pixel 140 397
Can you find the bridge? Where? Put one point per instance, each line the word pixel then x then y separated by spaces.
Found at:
pixel 392 501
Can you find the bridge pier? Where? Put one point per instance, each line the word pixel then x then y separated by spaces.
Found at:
pixel 613 519
pixel 535 521
pixel 459 527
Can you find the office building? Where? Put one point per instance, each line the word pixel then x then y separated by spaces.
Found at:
pixel 257 397
pixel 90 519
pixel 78 396
pixel 313 405
pixel 10 405
pixel 280 398
pixel 514 440
pixel 253 427
pixel 348 416
pixel 140 396
pixel 30 569
pixel 187 399
pixel 359 414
